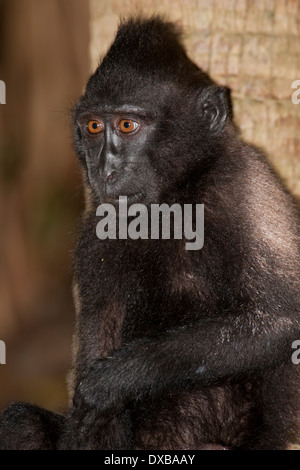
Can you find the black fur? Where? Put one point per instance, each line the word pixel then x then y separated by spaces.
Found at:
pixel 176 349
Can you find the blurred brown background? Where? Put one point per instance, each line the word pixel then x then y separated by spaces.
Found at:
pixel 252 46
pixel 44 62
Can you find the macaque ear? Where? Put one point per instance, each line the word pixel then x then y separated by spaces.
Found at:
pixel 214 107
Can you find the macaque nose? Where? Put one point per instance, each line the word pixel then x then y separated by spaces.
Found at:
pixel 111 177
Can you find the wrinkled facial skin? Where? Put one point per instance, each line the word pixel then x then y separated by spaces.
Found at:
pixel 116 144
pixel 145 147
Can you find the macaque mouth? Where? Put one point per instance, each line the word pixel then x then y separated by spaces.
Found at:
pixel 131 198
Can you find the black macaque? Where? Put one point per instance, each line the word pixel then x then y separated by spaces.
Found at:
pixel 175 348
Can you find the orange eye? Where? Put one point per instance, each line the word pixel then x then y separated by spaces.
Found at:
pixel 127 126
pixel 95 127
